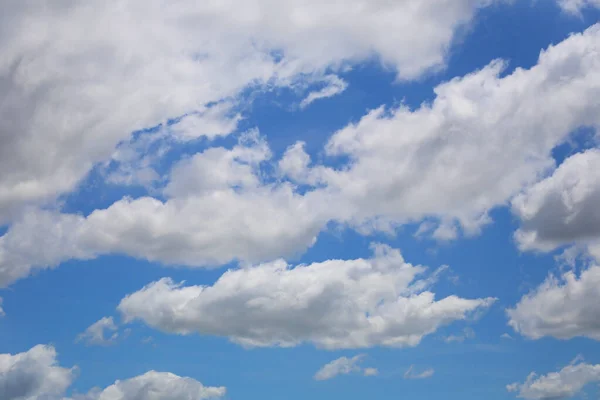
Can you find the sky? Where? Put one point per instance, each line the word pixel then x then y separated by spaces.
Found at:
pixel 299 199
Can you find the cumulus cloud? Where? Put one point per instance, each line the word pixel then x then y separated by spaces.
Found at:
pixel 96 333
pixel 411 373
pixel 479 143
pixel 80 76
pixel 36 375
pixel 344 366
pixel 563 307
pixel 333 86
pixel 155 386
pixel 218 209
pixel 483 140
pixel 333 304
pixel 563 384
pixel 563 208
pixel 33 375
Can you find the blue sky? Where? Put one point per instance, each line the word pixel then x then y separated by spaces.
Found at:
pixel 81 184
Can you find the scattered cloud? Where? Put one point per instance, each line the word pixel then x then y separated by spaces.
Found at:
pixel 2 313
pixel 344 366
pixel 36 375
pixel 333 86
pixel 468 333
pixel 237 215
pixel 336 304
pixel 155 386
pixel 370 372
pixel 563 384
pixel 563 307
pixel 100 333
pixel 576 6
pixel 411 373
pixel 506 336
pixel 33 375
pixel 563 208
pixel 194 54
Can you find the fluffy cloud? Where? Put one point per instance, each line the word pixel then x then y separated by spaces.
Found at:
pixel 155 386
pixel 563 307
pixel 33 375
pixel 557 385
pixel 344 366
pixel 482 140
pixel 334 304
pixel 95 333
pixel 480 143
pixel 80 76
pixel 411 373
pixel 563 208
pixel 218 210
pixel 36 375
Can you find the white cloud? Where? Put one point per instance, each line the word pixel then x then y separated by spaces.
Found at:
pixel 576 6
pixel 95 333
pixel 563 208
pixel 506 336
pixel 36 375
pixel 333 86
pixel 467 333
pixel 217 210
pixel 334 304
pixel 33 375
pixel 343 366
pixel 412 374
pixel 562 307
pixel 563 384
pixel 2 313
pixel 80 76
pixel 482 140
pixel 155 386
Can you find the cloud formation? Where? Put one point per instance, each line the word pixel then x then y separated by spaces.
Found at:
pixel 411 373
pixel 36 375
pixel 482 141
pixel 33 375
pixel 563 307
pixel 136 64
pixel 563 384
pixel 381 301
pixel 95 333
pixel 155 386
pixel 344 366
pixel 563 208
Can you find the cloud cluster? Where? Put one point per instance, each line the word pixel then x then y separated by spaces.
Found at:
pixel 155 386
pixel 36 375
pixel 563 208
pixel 562 307
pixel 483 140
pixel 344 366
pixel 557 385
pixel 333 304
pixel 80 76
pixel 33 375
